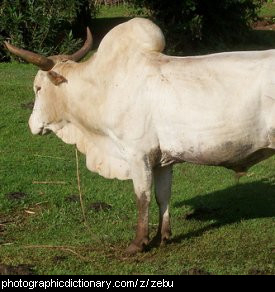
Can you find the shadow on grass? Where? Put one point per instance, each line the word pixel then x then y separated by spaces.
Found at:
pixel 232 205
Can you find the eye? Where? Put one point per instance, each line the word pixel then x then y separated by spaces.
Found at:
pixel 37 88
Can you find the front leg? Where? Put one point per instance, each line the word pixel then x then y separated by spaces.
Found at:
pixel 142 179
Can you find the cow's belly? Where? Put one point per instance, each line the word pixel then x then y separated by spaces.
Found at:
pixel 229 150
pixel 239 161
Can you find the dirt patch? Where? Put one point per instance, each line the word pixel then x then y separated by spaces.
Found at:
pixel 264 24
pixel 73 198
pixel 3 224
pixel 15 196
pixel 96 206
pixel 16 270
pixel 99 206
pixel 28 105
pixel 258 272
pixel 195 271
pixel 59 259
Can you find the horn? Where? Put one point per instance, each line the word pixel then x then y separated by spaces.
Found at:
pixel 81 53
pixel 45 63
pixel 42 62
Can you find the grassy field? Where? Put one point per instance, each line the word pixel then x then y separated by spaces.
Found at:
pixel 219 226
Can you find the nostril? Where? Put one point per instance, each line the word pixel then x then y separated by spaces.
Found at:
pixel 35 126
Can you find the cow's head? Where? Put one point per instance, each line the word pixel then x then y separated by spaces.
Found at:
pixel 48 107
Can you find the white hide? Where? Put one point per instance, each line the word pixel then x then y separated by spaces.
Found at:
pixel 99 151
pixel 129 100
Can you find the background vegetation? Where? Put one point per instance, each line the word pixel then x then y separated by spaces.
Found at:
pixel 48 27
pixel 203 22
pixel 52 27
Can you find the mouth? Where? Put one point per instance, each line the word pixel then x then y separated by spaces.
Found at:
pixel 44 131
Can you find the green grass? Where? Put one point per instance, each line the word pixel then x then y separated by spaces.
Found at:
pixel 267 10
pixel 107 11
pixel 218 227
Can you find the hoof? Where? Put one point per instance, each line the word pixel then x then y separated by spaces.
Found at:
pixel 164 241
pixel 137 246
pixel 156 241
pixel 133 249
pixel 161 240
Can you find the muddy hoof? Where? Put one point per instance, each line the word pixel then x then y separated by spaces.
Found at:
pixel 156 241
pixel 133 249
pixel 161 240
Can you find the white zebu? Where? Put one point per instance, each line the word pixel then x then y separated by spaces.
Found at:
pixel 135 112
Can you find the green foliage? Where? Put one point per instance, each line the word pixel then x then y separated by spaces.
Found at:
pixel 45 26
pixel 199 21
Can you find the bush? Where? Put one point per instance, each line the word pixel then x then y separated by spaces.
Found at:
pixel 47 27
pixel 203 22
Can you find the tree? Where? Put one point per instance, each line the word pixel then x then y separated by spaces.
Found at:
pixel 202 21
pixel 48 27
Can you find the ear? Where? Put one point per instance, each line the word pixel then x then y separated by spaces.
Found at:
pixel 56 78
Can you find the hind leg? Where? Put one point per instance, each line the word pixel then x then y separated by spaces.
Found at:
pixel 163 183
pixel 271 136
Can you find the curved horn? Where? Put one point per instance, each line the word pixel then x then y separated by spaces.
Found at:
pixel 84 50
pixel 42 62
